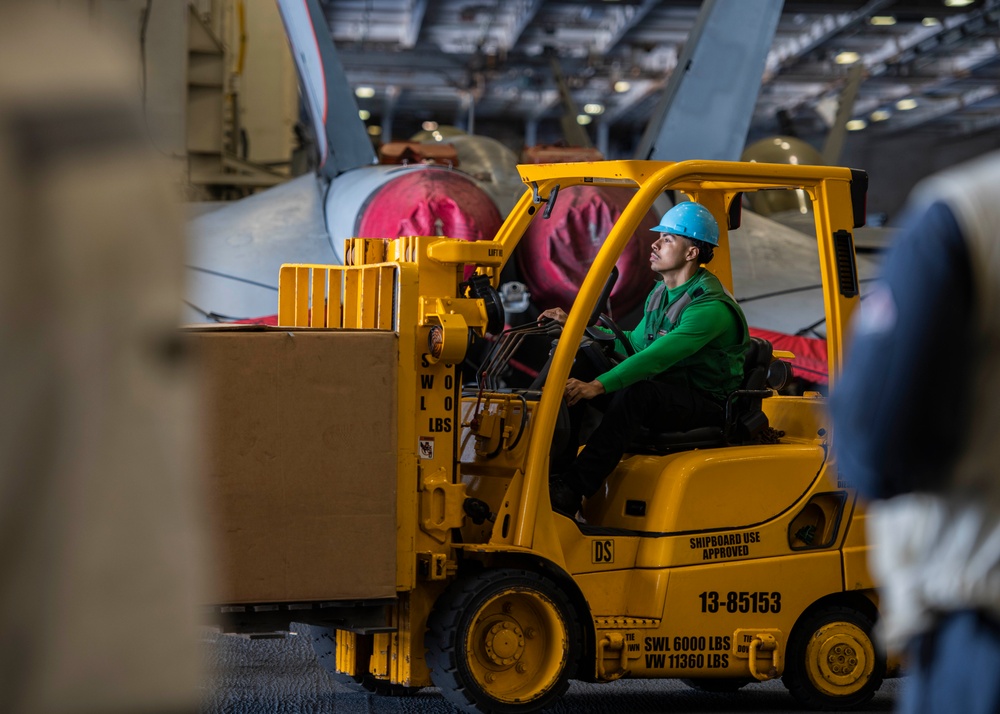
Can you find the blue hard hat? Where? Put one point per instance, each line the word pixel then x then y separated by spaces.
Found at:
pixel 691 220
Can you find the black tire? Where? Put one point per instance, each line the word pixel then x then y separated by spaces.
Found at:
pixel 718 685
pixel 833 662
pixel 503 642
pixel 324 642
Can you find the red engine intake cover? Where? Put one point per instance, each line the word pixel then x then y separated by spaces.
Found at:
pixel 556 252
pixel 428 203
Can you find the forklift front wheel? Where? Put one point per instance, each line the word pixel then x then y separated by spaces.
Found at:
pixel 832 661
pixel 503 641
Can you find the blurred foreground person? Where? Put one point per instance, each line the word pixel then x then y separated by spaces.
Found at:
pixel 917 418
pixel 99 548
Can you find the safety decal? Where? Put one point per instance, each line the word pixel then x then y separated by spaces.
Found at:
pixel 694 652
pixel 726 545
pixel 426 447
pixel 604 551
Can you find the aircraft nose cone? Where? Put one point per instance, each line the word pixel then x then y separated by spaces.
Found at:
pixel 434 201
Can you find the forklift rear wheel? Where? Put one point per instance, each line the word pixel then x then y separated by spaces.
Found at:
pixel 324 642
pixel 503 641
pixel 833 662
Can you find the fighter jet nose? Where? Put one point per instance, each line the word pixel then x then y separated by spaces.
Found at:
pixel 434 201
pixel 555 253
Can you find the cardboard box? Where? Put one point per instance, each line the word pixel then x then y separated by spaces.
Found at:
pixel 302 477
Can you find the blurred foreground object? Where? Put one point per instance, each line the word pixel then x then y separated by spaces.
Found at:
pixel 917 417
pixel 100 567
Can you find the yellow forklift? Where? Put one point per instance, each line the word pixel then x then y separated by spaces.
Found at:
pixel 407 519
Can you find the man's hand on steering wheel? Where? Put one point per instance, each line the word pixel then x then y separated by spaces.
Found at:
pixel 577 390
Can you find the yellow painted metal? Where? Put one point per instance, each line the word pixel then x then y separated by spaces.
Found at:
pixel 517 646
pixel 334 303
pixel 833 196
pixel 764 643
pixel 718 203
pixel 801 418
pixel 669 485
pixel 441 504
pixel 346 654
pixel 840 658
pixel 612 642
pixel 856 551
pixel 460 252
pixel 713 612
pixel 381 661
pixel 333 296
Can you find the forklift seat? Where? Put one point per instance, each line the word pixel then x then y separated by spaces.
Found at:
pixel 744 417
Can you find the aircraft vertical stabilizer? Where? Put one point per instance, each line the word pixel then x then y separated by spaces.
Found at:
pixel 708 102
pixel 340 136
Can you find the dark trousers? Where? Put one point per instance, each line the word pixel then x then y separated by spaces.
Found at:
pixel 954 668
pixel 659 406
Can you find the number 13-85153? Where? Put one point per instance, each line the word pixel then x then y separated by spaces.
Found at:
pixel 733 602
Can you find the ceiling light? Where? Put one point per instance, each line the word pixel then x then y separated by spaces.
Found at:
pixel 957 3
pixel 593 108
pixel 880 115
pixel 375 130
pixel 906 104
pixel 622 86
pixel 583 119
pixel 930 22
pixel 882 20
pixel 429 125
pixel 364 92
pixel 856 124
pixel 847 58
pixel 364 114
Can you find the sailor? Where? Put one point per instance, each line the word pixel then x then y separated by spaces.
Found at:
pixel 689 351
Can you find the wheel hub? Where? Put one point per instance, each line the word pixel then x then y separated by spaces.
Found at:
pixel 842 658
pixel 504 643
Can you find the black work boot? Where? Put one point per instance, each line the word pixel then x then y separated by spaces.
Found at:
pixel 565 499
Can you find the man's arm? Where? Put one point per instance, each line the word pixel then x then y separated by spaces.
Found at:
pixel 559 315
pixel 699 325
pixel 898 403
pixel 639 330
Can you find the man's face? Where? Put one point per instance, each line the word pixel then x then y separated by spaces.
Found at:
pixel 671 252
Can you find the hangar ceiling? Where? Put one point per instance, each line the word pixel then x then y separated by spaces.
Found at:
pixel 439 59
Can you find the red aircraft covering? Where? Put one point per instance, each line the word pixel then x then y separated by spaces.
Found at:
pixel 810 354
pixel 555 253
pixel 430 203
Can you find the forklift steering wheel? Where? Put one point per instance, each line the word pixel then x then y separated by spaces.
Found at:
pixel 607 322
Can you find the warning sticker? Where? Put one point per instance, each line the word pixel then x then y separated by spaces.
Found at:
pixel 426 447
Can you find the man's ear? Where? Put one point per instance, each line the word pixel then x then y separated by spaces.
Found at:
pixel 692 253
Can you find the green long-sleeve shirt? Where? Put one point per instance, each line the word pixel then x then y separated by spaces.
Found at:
pixel 706 345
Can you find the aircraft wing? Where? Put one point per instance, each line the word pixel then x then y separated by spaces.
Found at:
pixel 776 276
pixel 236 251
pixel 866 238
